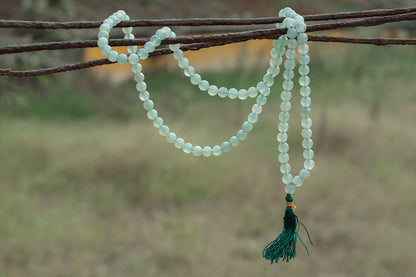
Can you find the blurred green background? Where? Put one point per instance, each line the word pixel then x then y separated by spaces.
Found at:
pixel 89 188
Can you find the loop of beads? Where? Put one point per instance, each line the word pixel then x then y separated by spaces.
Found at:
pixel 284 46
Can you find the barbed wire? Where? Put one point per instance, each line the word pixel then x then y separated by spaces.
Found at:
pixel 196 42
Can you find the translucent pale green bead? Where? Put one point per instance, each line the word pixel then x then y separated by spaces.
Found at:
pixel 252 118
pixel 149 46
pixel 102 42
pixel 195 79
pixel 273 53
pixel 284 116
pixel 105 27
pixel 283 158
pixel 222 92
pixel 216 150
pixel 266 92
pixel 280 52
pixel 109 22
pixel 226 146
pixel 164 130
pixel 291 33
pixel 288 85
pixel 283 127
pixel 288 74
pixel 197 151
pixel 274 70
pixel 141 86
pixel 289 64
pixel 297 181
pixel 306 122
pixel 122 59
pixel 204 85
pixel 233 93
pixel 129 36
pixel 292 43
pixel 304 174
pixel 262 86
pixel 281 41
pixel 291 54
pixel 183 63
pixel 169 32
pixel 288 22
pixel 158 122
pixel 189 71
pixel 300 27
pixel 143 53
pixel 188 148
pixel 286 95
pixel 281 137
pixel 152 114
pixel 283 147
pixel 242 94
pixel 241 135
pixel 285 106
pixel 303 70
pixel 308 154
pixel 155 40
pixel 287 178
pixel 309 164
pixel 268 79
pixel 298 19
pixel 304 80
pixel 175 47
pixel 285 168
pixel 305 91
pixel 161 33
pixel 304 59
pixel 290 189
pixel 148 105
pixel 139 77
pixel 252 92
pixel 257 109
pixel 261 100
pixel 306 133
pixel 303 49
pixel 212 90
pixel 112 57
pixel 178 54
pixel 127 29
pixel 106 50
pixel 305 112
pixel 305 101
pixel 247 126
pixel 207 151
pixel 171 137
pixel 179 143
pixel 144 95
pixel 133 58
pixel 307 143
pixel 136 68
pixel 234 141
pixel 302 38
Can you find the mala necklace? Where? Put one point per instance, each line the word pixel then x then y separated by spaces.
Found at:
pixel 284 246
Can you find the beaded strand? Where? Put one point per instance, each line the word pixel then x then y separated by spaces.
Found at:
pixel 285 45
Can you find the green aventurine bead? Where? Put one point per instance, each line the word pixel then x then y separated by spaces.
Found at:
pixel 308 154
pixel 304 80
pixel 155 40
pixel 204 85
pixel 234 141
pixel 305 112
pixel 216 150
pixel 290 189
pixel 305 101
pixel 292 43
pixel 148 105
pixel 139 77
pixel 222 92
pixel 309 164
pixel 306 133
pixel 261 99
pixel 164 130
pixel 307 143
pixel 288 85
pixel 187 148
pixel 212 90
pixel 286 95
pixel 158 122
pixel 268 79
pixel 247 126
pixel 144 95
pixel 304 70
pixel 283 147
pixel 262 86
pixel 252 118
pixel 288 74
pixel 283 127
pixel 122 59
pixel 291 54
pixel 233 93
pixel 207 151
pixel 285 106
pixel 281 137
pixel 136 68
pixel 195 79
pixel 171 137
pixel 306 122
pixel 304 59
pixel 285 168
pixel 106 50
pixel 152 114
pixel 197 151
pixel 303 38
pixel 113 56
pixel 179 143
pixel 305 91
pixel 141 86
pixel 226 146
pixel 241 135
pixel 257 109
pixel 304 174
pixel 287 178
pixel 297 181
pixel 284 116
pixel 242 94
pixel 283 158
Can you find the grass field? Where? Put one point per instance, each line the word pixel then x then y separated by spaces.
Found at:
pixel 89 188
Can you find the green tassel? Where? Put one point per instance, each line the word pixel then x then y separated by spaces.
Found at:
pixel 284 246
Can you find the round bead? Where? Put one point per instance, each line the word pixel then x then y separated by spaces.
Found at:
pixel 283 127
pixel 284 116
pixel 300 27
pixel 171 137
pixel 212 90
pixel 141 86
pixel 155 40
pixel 242 94
pixel 268 79
pixel 281 137
pixel 303 70
pixel 164 130
pixel 303 49
pixel 122 59
pixel 292 43
pixel 247 126
pixel 292 33
pixel 195 79
pixel 288 74
pixel 197 151
pixel 139 77
pixel 179 143
pixel 149 46
pixel 106 50
pixel 158 122
pixel 204 85
pixel 207 151
pixel 288 22
pixel 252 118
pixel 226 146
pixel 304 80
pixel 290 189
pixel 297 181
pixel 309 164
pixel 306 133
pixel 290 54
pixel 285 106
pixel 283 158
pixel 143 54
pixel 241 135
pixel 233 93
pixel 305 112
pixel 283 147
pixel 261 99
pixel 234 141
pixel 102 42
pixel 188 148
pixel 183 63
pixel 136 68
pixel 306 122
pixel 304 174
pixel 112 57
pixel 257 109
pixel 252 92
pixel 305 101
pixel 152 114
pixel 289 64
pixel 302 38
pixel 133 58
pixel 189 71
pixel 262 86
pixel 216 150
pixel 287 178
pixel 222 92
pixel 288 85
pixel 285 168
pixel 308 154
pixel 144 95
pixel 304 59
pixel 307 143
